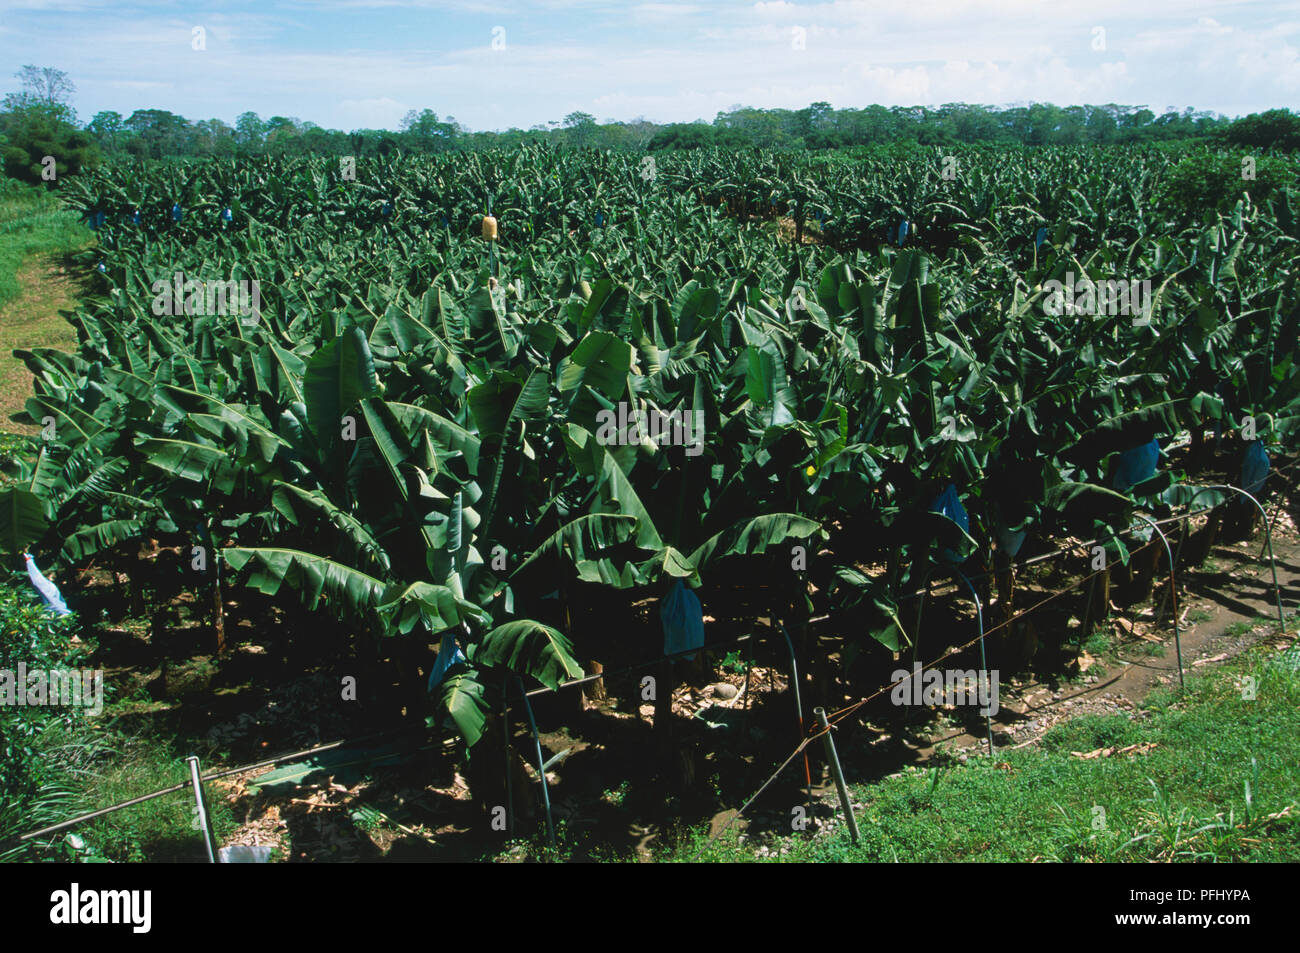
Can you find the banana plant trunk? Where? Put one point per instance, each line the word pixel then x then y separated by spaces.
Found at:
pixel 1097 602
pixel 218 609
pixel 663 699
pixel 1143 572
pixel 1196 452
pixel 595 690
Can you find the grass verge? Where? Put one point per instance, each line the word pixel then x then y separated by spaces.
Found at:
pixel 33 223
pixel 58 761
pixel 1205 775
pixel 36 236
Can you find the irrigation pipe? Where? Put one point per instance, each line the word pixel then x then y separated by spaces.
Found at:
pixel 202 809
pixel 541 762
pixel 505 736
pixel 295 755
pixel 1054 554
pixel 1041 557
pixel 984 665
pixel 837 716
pixel 798 706
pixel 1268 540
pixel 216 775
pixel 845 712
pixel 1173 594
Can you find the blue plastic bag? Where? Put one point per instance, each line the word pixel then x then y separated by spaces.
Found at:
pixel 1136 465
pixel 1254 468
pixel 682 619
pixel 1040 238
pixel 226 215
pixel 902 232
pixel 449 654
pixel 177 213
pixel 1010 540
pixel 48 590
pixel 948 504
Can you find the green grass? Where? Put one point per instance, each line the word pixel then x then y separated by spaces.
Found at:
pixel 1245 625
pixel 33 223
pixel 58 762
pixel 1220 767
pixel 36 283
pixel 91 767
pixel 160 829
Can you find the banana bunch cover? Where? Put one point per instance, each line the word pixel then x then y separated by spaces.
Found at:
pixel 683 620
pixel 48 590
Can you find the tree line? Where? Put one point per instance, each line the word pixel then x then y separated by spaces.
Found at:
pixel 39 121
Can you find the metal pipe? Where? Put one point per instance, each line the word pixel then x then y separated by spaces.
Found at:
pixel 984 665
pixel 744 711
pixel 1173 595
pixel 942 588
pixel 798 707
pixel 837 773
pixel 202 808
pixel 1268 534
pixel 131 802
pixel 1268 539
pixel 541 762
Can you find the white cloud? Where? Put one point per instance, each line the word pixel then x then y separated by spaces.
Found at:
pixel 666 60
pixel 380 113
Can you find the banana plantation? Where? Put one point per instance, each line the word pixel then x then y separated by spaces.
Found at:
pixel 500 420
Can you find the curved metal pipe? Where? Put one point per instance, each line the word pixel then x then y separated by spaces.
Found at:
pixel 1268 539
pixel 984 665
pixel 798 707
pixel 201 808
pixel 1173 594
pixel 541 763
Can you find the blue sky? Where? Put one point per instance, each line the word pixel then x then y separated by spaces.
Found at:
pixel 363 63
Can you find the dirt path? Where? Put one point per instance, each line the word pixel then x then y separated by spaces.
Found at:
pixel 33 320
pixel 1234 598
pixel 598 789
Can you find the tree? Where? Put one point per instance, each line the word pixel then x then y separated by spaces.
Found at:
pixel 38 125
pixel 581 128
pixel 681 136
pixel 282 134
pixel 160 133
pixel 815 118
pixel 1277 127
pixel 214 137
pixel 35 132
pixel 1136 122
pixel 47 84
pixel 1102 124
pixel 249 132
pixel 107 128
pixel 44 87
pixel 425 132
